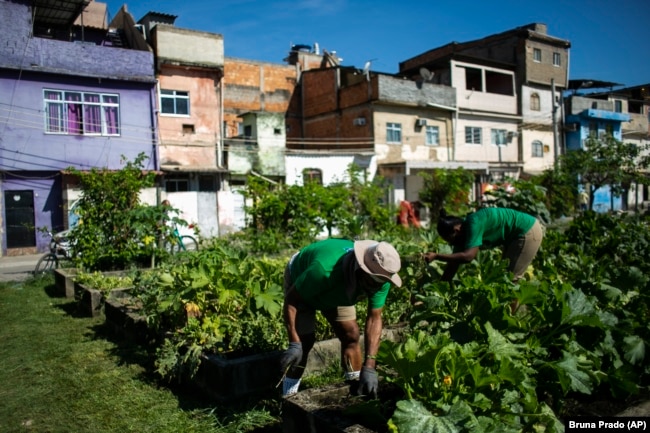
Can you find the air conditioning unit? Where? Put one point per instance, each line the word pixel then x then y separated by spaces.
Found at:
pixel 421 122
pixel 359 121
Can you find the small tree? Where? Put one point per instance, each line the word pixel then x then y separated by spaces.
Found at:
pixel 114 229
pixel 607 161
pixel 448 189
pixel 561 191
pixel 526 197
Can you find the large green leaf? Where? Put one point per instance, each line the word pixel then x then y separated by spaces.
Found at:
pixel 580 310
pixel 570 376
pixel 634 349
pixel 499 345
pixel 270 301
pixel 412 417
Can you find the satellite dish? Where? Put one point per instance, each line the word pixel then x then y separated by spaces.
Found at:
pixel 426 75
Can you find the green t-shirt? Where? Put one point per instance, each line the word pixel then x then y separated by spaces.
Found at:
pixel 492 227
pixel 319 277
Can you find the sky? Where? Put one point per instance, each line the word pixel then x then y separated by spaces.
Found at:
pixel 609 39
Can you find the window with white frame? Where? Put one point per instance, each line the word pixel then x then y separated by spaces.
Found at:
pixel 432 136
pixel 393 132
pixel 537 55
pixel 534 102
pixel 472 135
pixel 81 113
pixel 174 102
pixel 557 59
pixel 538 149
pixel 499 137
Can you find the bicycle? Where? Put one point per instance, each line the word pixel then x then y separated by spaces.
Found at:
pixel 177 243
pixel 59 251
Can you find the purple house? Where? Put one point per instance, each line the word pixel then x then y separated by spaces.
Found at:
pixel 73 93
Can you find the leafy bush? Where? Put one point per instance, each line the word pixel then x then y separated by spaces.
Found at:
pixel 113 225
pixel 290 217
pixel 474 363
pixel 103 283
pixel 218 300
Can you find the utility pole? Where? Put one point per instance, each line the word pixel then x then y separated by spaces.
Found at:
pixel 554 120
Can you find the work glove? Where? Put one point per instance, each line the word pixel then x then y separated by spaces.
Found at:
pixel 291 356
pixel 368 382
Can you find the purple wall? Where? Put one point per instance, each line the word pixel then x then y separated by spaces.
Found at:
pixel 31 158
pixel 26 146
pixel 20 51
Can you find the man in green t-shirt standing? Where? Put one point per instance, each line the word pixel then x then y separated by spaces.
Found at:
pixel 331 276
pixel 519 234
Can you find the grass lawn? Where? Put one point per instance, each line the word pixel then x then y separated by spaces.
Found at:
pixel 63 373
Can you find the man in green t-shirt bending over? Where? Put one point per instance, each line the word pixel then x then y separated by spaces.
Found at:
pixel 331 276
pixel 519 234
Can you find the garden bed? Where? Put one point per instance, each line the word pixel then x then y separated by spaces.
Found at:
pixel 91 295
pixel 221 377
pixel 64 281
pixel 124 319
pixel 331 409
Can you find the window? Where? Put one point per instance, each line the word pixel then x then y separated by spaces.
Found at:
pixel 81 113
pixel 177 184
pixel 556 59
pixel 393 132
pixel 474 79
pixel 537 55
pixel 618 105
pixel 206 183
pixel 538 149
pixel 501 84
pixel 433 136
pixel 499 137
pixel 174 102
pixel 312 175
pixel 472 135
pixel 534 102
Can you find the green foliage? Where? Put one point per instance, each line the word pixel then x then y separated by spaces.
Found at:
pixel 607 161
pixel 561 192
pixel 102 282
pixel 474 362
pixel 448 189
pixel 525 197
pixel 290 217
pixel 113 224
pixel 218 300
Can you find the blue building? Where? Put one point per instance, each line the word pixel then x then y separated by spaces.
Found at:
pixel 588 117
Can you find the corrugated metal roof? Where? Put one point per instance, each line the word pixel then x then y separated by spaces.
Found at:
pixel 57 13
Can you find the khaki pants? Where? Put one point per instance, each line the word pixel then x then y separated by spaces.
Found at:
pixel 522 251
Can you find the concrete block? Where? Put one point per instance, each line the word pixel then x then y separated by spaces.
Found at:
pixel 64 281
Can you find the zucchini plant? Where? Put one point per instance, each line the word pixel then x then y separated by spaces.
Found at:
pixel 474 363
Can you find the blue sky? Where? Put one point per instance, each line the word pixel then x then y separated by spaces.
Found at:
pixel 609 39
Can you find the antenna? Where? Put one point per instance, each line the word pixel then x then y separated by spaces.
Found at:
pixel 427 75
